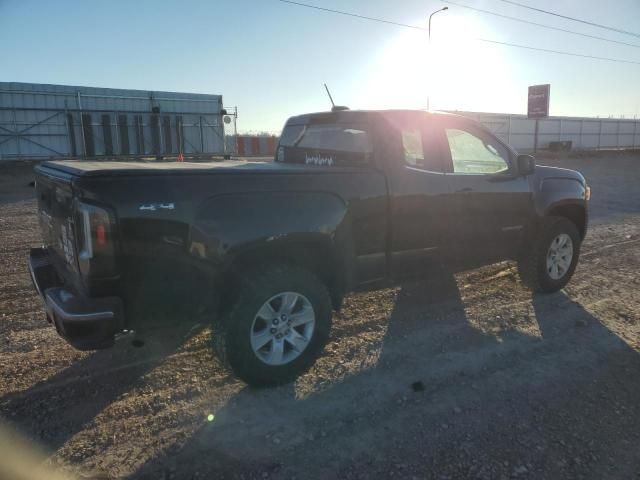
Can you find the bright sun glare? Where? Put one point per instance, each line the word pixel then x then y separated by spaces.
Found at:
pixel 456 71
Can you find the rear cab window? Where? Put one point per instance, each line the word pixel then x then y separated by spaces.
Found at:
pixel 325 144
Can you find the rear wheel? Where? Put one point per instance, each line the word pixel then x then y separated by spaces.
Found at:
pixel 549 262
pixel 276 326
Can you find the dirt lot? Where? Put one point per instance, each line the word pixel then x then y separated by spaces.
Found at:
pixel 464 376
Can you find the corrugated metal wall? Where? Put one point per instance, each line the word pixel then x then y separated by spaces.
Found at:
pixel 57 121
pixel 584 133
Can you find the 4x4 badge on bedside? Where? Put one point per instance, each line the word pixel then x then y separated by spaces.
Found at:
pixel 155 206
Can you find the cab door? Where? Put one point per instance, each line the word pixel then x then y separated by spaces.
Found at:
pixel 489 206
pixel 417 193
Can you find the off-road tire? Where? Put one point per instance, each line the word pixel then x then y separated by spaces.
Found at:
pixel 231 334
pixel 532 265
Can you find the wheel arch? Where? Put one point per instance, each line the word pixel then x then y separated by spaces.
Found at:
pixel 316 253
pixel 574 212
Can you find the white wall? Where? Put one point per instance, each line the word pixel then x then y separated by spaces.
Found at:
pixel 585 133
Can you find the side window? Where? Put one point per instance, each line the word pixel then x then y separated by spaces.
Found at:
pixel 412 148
pixel 325 144
pixel 420 149
pixel 475 152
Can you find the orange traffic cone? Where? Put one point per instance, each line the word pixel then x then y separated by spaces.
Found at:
pixel 180 157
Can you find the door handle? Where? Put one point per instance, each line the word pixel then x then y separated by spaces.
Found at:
pixel 464 190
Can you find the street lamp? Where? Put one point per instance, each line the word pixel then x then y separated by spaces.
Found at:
pixel 429 35
pixel 441 10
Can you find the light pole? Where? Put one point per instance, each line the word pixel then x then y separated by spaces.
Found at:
pixel 429 36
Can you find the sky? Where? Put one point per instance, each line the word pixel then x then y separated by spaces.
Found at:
pixel 270 59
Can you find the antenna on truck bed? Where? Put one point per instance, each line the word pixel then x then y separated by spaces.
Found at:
pixel 334 107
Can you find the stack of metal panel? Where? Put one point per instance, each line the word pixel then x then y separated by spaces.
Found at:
pixel 58 121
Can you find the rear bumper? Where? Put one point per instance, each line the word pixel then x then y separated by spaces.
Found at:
pixel 86 323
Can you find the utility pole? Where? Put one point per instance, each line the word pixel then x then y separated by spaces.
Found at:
pixel 429 38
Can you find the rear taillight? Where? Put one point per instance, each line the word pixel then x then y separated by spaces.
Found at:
pixel 95 242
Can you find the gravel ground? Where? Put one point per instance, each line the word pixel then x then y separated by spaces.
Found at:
pixel 454 376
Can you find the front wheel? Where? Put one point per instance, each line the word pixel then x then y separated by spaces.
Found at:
pixel 276 326
pixel 551 258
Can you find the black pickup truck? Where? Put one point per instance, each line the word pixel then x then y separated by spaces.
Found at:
pixel 352 200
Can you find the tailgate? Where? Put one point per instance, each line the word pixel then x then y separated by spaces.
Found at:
pixel 56 216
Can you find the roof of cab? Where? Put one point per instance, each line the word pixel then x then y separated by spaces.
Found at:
pixel 343 116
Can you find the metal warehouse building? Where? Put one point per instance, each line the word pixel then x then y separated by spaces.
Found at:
pixel 56 121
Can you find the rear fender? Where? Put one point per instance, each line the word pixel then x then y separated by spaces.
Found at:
pixel 294 225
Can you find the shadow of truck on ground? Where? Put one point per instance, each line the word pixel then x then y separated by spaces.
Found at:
pixel 444 400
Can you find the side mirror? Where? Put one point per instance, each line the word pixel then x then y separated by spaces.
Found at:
pixel 526 164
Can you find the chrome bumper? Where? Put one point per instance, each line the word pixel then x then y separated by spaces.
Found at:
pixel 86 323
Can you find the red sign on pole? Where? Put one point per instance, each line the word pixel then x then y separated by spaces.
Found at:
pixel 538 104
